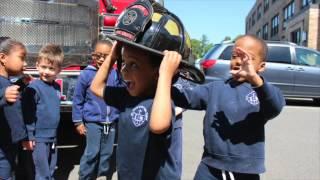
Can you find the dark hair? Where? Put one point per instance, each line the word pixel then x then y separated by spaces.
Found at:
pixel 106 41
pixel 264 47
pixel 7 44
pixel 155 60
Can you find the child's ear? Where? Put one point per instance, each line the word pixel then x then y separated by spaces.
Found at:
pixel 262 67
pixel 3 59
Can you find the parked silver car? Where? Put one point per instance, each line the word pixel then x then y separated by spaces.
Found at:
pixel 292 68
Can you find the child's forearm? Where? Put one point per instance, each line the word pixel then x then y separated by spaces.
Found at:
pixel 99 81
pixel 161 112
pixel 256 80
pixel 271 100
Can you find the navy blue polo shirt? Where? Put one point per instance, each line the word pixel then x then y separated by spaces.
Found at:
pixel 234 122
pixel 140 153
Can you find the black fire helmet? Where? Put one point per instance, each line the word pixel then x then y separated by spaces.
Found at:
pixel 149 26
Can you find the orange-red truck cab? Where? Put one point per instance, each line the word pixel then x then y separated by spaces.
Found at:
pixel 109 11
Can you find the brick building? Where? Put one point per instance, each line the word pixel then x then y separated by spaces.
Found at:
pixel 297 21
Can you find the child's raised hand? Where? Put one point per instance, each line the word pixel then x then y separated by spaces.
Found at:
pixel 246 68
pixel 115 52
pixel 170 63
pixel 11 93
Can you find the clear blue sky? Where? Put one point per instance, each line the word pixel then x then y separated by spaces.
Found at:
pixel 214 18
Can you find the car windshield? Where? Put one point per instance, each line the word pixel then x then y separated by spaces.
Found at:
pixel 211 51
pixel 306 57
pixel 227 53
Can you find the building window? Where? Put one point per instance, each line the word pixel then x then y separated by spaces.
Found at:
pixel 266 5
pixel 275 25
pixel 253 18
pixel 249 23
pixel 296 36
pixel 288 11
pixel 265 32
pixel 258 33
pixel 305 3
pixel 259 12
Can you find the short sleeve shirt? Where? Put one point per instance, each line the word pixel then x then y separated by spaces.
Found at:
pixel 141 154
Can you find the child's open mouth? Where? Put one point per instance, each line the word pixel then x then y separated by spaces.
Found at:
pixel 130 84
pixel 235 68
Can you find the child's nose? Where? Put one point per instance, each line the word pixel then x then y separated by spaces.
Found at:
pixel 124 68
pixel 237 61
pixel 101 58
pixel 47 70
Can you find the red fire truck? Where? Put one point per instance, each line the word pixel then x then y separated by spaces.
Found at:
pixel 73 24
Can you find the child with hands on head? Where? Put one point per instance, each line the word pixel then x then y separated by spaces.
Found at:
pixel 149 143
pixel 143 140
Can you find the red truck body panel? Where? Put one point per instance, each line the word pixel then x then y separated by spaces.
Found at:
pixel 110 16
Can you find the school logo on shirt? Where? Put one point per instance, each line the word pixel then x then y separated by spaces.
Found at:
pixel 139 115
pixel 178 86
pixel 182 84
pixel 252 98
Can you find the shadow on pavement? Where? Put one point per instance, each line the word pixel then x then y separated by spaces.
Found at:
pixel 70 147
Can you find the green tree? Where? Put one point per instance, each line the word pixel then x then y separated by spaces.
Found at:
pixel 200 47
pixel 227 38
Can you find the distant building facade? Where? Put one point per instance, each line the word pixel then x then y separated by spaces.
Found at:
pixel 296 21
